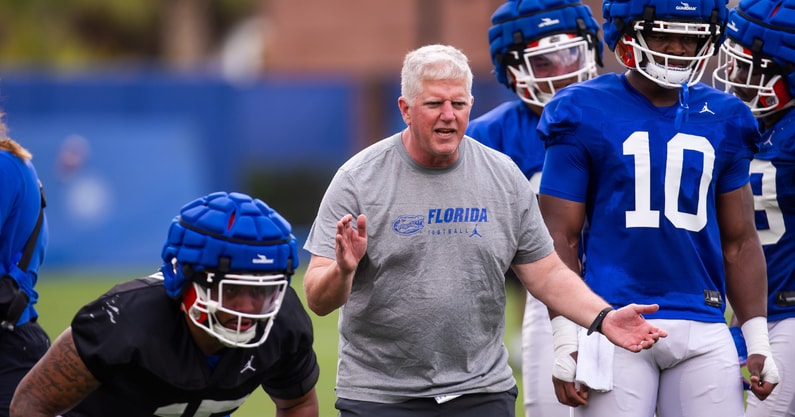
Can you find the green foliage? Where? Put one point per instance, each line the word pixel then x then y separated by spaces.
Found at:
pixel 74 34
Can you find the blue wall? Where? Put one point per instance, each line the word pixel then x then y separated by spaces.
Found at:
pixel 119 154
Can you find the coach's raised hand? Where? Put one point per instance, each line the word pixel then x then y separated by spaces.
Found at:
pixel 327 282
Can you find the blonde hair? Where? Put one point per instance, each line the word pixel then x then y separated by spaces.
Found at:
pixel 8 144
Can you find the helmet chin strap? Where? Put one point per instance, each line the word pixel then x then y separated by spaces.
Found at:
pixel 208 322
pixel 543 97
pixel 227 336
pixel 233 338
pixel 670 77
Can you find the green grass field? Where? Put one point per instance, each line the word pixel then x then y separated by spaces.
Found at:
pixel 61 296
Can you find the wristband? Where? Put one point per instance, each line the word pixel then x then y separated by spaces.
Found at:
pixel 596 326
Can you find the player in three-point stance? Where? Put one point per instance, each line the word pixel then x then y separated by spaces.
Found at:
pixel 196 339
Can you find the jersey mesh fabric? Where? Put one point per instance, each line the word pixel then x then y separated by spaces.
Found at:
pixel 511 129
pixel 136 341
pixel 774 165
pixel 662 246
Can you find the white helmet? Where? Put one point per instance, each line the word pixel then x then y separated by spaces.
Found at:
pixel 629 24
pixel 757 61
pixel 540 46
pixel 228 258
pixel 548 61
pixel 228 293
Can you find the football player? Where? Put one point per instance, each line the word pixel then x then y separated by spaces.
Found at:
pixel 195 339
pixel 757 64
pixel 657 162
pixel 537 47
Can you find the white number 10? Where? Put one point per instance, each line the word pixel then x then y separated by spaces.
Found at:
pixel 643 216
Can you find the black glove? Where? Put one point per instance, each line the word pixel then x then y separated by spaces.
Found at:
pixel 12 302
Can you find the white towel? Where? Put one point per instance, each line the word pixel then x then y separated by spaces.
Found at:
pixel 595 361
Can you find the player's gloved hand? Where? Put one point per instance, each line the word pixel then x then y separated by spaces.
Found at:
pixel 760 363
pixel 742 353
pixel 564 336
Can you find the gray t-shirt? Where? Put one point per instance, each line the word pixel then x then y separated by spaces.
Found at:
pixel 426 314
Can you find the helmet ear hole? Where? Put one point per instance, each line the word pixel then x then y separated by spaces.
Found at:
pixel 189 297
pixel 626 54
pixel 782 96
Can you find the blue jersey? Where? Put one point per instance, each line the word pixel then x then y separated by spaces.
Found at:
pixel 649 177
pixel 20 202
pixel 511 129
pixel 773 183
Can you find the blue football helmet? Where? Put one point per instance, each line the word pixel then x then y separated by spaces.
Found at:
pixel 757 61
pixel 539 46
pixel 628 23
pixel 229 253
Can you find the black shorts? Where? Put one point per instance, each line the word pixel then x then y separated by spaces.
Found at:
pixel 19 351
pixel 501 404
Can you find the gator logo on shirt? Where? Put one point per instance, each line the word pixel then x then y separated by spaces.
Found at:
pixel 408 224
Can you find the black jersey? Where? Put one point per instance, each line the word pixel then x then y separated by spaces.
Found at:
pixel 136 341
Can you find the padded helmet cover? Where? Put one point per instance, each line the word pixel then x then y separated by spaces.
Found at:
pixel 619 15
pixel 226 233
pixel 519 22
pixel 767 29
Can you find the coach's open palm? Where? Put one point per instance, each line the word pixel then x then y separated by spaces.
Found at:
pixel 627 328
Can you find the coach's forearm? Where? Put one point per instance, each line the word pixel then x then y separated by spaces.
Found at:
pixel 572 298
pixel 326 286
pixel 561 289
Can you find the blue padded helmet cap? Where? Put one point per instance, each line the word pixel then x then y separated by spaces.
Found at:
pixel 227 233
pixel 519 22
pixel 767 28
pixel 620 14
